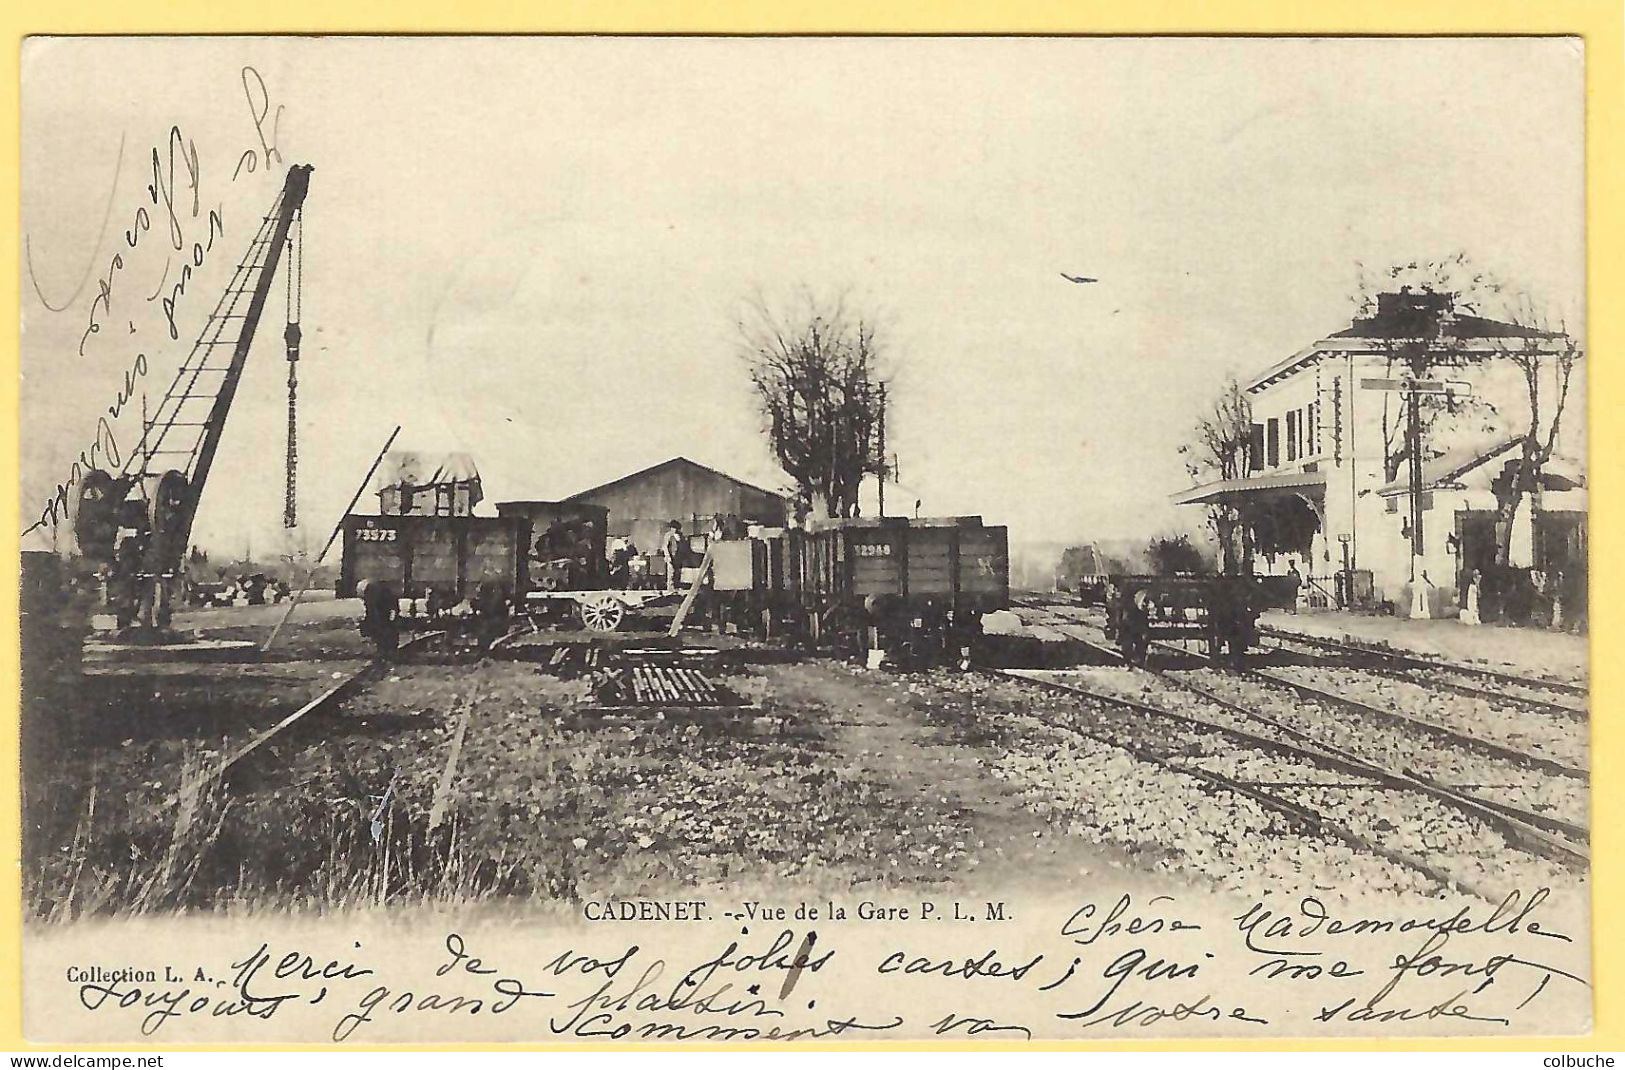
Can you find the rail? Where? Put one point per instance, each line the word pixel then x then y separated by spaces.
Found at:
pixel 1502 698
pixel 1417 661
pixel 329 699
pixel 1552 838
pixel 1535 833
pixel 1302 816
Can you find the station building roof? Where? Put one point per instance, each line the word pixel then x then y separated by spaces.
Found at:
pixel 1397 318
pixel 1444 472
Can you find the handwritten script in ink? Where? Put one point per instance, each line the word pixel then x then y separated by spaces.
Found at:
pixel 1116 966
pixel 172 228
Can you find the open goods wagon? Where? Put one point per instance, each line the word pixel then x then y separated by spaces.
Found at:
pixel 915 588
pixel 439 569
pixel 449 559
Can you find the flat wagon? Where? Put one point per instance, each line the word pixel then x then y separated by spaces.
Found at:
pixel 1220 612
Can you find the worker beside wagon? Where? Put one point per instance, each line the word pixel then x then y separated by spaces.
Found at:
pixel 671 548
pixel 1134 627
pixel 620 564
pixel 380 615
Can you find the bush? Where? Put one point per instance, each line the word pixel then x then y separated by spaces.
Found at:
pixel 1167 555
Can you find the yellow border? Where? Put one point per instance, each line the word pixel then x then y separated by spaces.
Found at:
pixel 1598 21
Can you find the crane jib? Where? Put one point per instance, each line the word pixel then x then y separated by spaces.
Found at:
pixel 289 203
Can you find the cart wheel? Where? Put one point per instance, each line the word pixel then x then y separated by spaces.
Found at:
pixel 603 614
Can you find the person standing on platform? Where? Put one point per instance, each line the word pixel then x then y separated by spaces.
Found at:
pixel 1419 597
pixel 1475 587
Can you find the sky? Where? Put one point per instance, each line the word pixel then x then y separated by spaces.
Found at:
pixel 536 250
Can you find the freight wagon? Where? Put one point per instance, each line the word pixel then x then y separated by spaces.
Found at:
pixel 445 559
pixel 914 588
pixel 440 568
pixel 1221 612
pixel 569 543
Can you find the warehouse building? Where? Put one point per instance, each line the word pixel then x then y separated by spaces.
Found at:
pixel 643 503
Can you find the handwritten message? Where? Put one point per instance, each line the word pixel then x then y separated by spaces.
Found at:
pixel 1117 965
pixel 171 230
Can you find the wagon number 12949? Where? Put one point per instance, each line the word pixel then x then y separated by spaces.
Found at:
pixel 873 549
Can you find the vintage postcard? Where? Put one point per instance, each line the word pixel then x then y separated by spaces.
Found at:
pixel 846 539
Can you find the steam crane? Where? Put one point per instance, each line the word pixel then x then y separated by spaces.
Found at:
pixel 139 523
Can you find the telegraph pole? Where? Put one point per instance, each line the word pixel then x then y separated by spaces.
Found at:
pixel 882 449
pixel 1413 441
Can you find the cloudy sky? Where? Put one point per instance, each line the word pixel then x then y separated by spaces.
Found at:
pixel 534 250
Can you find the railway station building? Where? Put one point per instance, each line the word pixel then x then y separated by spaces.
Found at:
pixel 1328 487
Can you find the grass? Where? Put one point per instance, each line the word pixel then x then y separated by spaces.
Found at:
pixel 339 817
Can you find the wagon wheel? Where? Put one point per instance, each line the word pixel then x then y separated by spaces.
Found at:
pixel 602 614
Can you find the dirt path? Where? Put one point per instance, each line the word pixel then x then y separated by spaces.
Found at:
pixel 931 744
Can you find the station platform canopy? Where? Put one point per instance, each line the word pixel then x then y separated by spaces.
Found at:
pixel 1254 488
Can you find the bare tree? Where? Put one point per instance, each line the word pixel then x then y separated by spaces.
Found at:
pixel 1546 362
pixel 1219 449
pixel 818 376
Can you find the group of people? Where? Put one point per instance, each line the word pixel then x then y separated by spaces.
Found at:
pixel 675 554
pixel 564 556
pixel 1544 598
pixel 567 547
pixel 629 569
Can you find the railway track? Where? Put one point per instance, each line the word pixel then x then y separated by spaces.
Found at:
pixel 353 684
pixel 1554 838
pixel 1556 748
pixel 330 699
pixel 1524 692
pixel 1558 697
pixel 1529 692
pixel 1316 790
